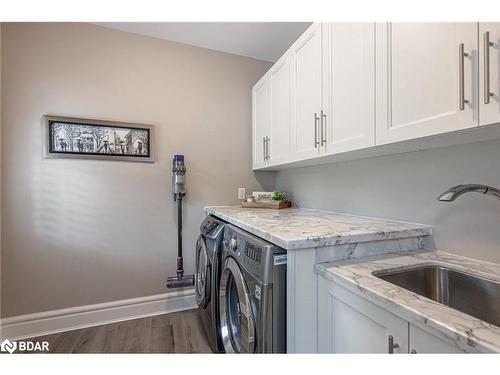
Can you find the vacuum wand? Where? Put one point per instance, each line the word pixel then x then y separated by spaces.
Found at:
pixel 180 265
pixel 179 191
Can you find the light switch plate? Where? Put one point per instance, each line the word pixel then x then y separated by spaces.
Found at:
pixel 242 193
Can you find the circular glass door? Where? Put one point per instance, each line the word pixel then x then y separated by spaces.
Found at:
pixel 202 274
pixel 237 321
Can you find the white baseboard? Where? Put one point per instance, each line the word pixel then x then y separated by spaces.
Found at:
pixel 25 326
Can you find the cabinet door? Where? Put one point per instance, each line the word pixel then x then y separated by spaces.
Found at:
pixel 306 93
pixel 349 86
pixel 279 80
pixel 348 323
pixel 261 117
pixel 421 77
pixel 424 342
pixel 489 68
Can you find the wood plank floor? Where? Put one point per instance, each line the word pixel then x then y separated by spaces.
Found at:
pixel 179 332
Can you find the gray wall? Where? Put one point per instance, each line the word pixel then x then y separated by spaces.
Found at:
pixel 405 187
pixel 81 232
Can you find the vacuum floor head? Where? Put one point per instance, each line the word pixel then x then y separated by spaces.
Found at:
pixel 184 281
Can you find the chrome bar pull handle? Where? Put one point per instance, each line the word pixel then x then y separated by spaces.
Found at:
pixel 461 77
pixel 264 144
pixel 316 120
pixel 268 156
pixel 323 125
pixel 392 345
pixel 486 62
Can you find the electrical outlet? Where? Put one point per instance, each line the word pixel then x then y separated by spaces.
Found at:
pixel 242 193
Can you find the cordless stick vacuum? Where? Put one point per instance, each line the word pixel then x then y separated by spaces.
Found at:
pixel 179 191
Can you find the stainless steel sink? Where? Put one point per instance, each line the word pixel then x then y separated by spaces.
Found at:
pixel 470 294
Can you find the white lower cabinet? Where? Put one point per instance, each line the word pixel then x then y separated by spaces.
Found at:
pixel 349 323
pixel 424 342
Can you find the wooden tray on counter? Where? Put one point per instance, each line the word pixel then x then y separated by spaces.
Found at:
pixel 277 205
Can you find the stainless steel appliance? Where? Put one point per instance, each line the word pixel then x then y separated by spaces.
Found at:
pixel 252 295
pixel 207 276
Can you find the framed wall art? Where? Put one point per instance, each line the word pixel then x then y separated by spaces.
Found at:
pixel 72 137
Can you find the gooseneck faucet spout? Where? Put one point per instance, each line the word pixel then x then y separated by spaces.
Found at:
pixel 452 193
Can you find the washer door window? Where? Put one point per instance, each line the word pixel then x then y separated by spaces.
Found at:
pixel 202 274
pixel 237 321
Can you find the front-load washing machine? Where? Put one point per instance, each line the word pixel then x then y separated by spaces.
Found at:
pixel 207 276
pixel 252 294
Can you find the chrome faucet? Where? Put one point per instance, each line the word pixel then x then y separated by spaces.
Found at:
pixel 452 193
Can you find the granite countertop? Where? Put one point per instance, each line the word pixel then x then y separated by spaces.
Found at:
pixel 295 228
pixel 464 331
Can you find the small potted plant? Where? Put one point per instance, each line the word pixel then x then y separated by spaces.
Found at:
pixel 275 200
pixel 278 196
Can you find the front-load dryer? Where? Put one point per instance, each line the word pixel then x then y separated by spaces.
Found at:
pixel 207 276
pixel 252 294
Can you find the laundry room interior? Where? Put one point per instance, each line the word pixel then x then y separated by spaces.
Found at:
pixel 302 186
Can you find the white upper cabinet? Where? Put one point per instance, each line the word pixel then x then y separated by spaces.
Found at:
pixel 489 77
pixel 305 55
pixel 280 137
pixel 261 121
pixel 344 87
pixel 348 119
pixel 425 85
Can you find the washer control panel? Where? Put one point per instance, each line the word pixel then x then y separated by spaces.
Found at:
pixel 254 255
pixel 249 252
pixel 253 252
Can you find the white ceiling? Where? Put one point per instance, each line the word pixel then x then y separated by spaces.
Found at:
pixel 260 40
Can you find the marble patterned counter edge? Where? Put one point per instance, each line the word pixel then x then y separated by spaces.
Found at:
pixel 464 331
pixel 295 228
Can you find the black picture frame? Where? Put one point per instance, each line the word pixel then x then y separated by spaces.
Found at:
pixel 81 138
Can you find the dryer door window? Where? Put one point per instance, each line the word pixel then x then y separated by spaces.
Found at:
pixel 202 274
pixel 237 320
